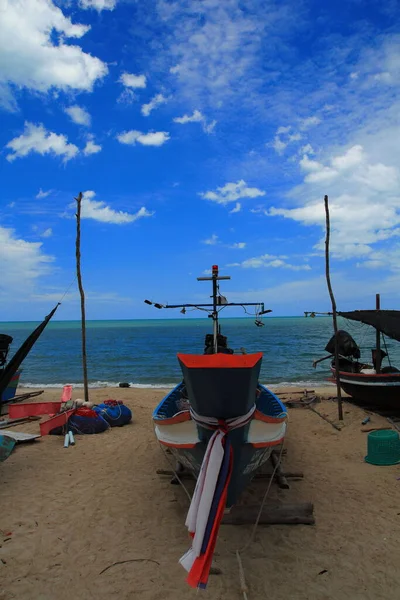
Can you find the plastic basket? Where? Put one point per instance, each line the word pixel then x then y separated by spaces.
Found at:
pixel 383 448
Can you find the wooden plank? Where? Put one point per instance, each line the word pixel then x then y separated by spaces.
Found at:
pixel 337 427
pixel 283 514
pixel 279 476
pixel 20 437
pixel 287 474
pixel 11 422
pixel 56 421
pixel 29 409
pixel 395 425
pixel 189 475
pixel 368 429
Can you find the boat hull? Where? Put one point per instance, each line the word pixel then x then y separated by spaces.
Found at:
pixel 380 390
pixel 247 462
pixel 11 389
pixel 252 443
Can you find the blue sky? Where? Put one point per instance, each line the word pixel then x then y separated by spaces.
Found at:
pixel 200 133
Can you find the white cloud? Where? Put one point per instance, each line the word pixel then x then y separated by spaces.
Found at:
pixel 79 115
pixel 283 138
pixel 47 233
pixel 278 145
pixel 236 209
pixel 351 158
pixel 307 149
pixel 91 148
pixel 208 127
pixel 34 58
pixel 152 138
pixel 37 139
pixel 98 5
pixel 133 81
pixel 364 197
pixel 99 211
pixel 42 194
pixel 212 240
pixel 21 262
pixel 154 103
pixel 231 192
pixel 127 96
pixel 197 117
pixel 217 48
pixel 309 122
pixel 317 171
pixel 270 261
pixel 239 245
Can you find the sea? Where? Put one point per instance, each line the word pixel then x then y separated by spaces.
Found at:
pixel 143 352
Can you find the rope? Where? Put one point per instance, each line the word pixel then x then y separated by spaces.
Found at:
pixel 67 290
pixel 242 578
pixel 175 473
pixel 225 425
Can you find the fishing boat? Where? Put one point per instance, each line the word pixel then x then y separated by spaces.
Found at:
pixel 372 383
pixel 11 389
pixel 220 424
pixel 10 369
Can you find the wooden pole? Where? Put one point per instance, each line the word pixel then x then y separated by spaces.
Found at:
pixel 328 281
pixel 82 293
pixel 378 359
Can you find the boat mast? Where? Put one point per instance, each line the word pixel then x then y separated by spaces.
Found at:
pixel 378 360
pixel 214 315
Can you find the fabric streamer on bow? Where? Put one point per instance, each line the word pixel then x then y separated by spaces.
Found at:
pixel 209 499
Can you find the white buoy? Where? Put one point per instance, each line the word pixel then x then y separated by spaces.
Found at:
pixel 66 440
pixel 71 438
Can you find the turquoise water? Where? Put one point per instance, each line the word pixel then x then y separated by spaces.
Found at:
pixel 143 352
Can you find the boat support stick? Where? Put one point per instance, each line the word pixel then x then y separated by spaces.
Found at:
pixel 243 585
pixel 328 281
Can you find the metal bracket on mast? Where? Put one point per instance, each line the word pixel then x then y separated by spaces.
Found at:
pixel 218 303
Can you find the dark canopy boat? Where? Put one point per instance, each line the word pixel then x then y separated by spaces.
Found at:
pixel 221 424
pixel 371 384
pixel 10 370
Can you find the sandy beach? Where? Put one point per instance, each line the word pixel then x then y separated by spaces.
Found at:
pixel 68 514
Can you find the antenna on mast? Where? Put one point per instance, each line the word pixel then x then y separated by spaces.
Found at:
pixel 215 277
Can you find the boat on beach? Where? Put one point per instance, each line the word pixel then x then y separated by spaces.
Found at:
pixel 220 424
pixel 372 383
pixel 10 369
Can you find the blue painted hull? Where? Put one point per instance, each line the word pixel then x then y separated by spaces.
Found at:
pixel 247 461
pixel 11 389
pixel 247 458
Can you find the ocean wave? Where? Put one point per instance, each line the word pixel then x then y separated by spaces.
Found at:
pixel 164 386
pixel 300 384
pixel 98 384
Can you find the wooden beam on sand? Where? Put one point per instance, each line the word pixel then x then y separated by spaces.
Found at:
pixel 337 427
pixel 395 425
pixel 189 475
pixel 301 513
pixel 279 475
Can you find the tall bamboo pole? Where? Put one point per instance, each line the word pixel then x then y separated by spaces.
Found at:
pixel 82 293
pixel 378 360
pixel 328 281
